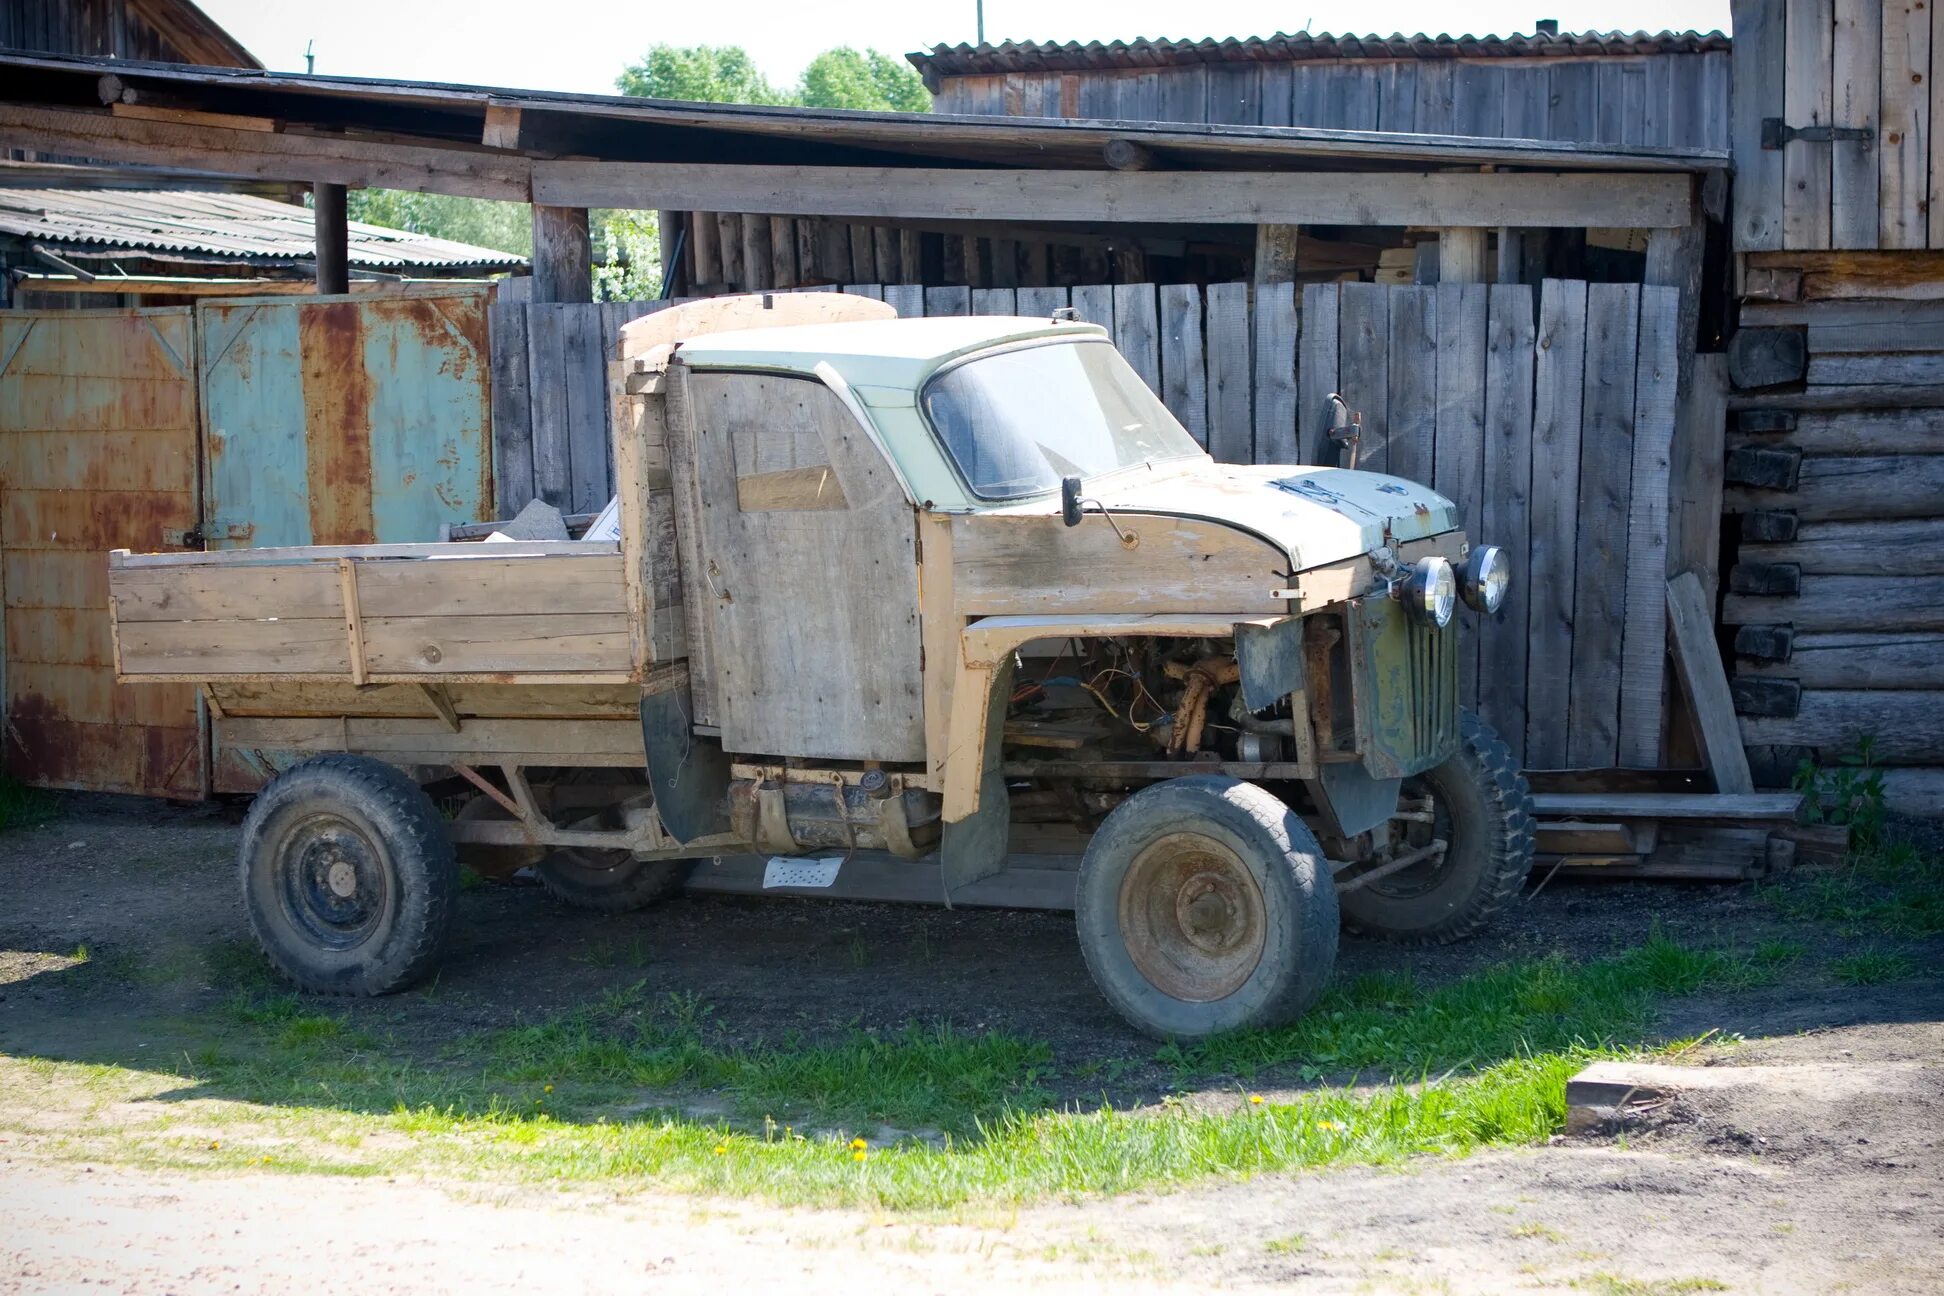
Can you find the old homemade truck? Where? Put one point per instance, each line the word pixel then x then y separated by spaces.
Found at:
pixel 887 593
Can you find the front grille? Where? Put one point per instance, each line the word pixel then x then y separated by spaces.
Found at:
pixel 1406 682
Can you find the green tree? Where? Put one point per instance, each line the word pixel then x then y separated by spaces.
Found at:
pixel 705 73
pixel 502 226
pixel 836 78
pixel 844 78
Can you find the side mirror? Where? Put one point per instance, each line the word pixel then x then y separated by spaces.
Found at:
pixel 1070 501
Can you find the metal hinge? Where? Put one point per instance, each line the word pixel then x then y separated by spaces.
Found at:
pixel 192 538
pixel 1776 133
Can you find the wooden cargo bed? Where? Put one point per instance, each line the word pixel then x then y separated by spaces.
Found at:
pixel 372 614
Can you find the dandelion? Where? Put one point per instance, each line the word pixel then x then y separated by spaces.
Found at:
pixel 1256 1099
pixel 213 1145
pixel 722 1149
pixel 859 1145
pixel 1328 1125
pixel 549 1088
pixel 858 1154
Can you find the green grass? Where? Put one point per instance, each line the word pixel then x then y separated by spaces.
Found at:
pixel 1384 1027
pixel 1895 890
pixel 1605 1284
pixel 22 806
pixel 1872 966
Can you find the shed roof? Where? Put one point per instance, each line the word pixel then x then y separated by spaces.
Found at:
pixel 230 227
pixel 1048 56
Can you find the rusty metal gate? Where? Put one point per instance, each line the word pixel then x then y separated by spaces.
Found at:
pixel 97 452
pixel 344 420
pixel 267 421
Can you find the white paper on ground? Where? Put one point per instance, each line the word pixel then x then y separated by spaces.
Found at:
pixel 784 872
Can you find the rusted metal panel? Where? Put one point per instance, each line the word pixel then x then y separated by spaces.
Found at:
pixel 340 420
pixel 97 452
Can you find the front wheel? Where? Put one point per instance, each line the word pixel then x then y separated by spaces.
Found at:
pixel 348 876
pixel 1479 805
pixel 1205 905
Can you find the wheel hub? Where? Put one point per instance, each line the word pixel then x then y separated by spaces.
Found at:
pixel 334 880
pixel 1192 917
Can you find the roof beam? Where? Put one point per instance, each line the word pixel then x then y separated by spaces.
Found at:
pixel 288 155
pixel 1440 198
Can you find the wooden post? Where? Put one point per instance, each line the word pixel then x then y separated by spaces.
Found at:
pixel 563 256
pixel 1275 254
pixel 1511 255
pixel 1461 255
pixel 332 234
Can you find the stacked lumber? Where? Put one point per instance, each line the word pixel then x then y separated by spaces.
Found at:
pixel 1671 835
pixel 1836 467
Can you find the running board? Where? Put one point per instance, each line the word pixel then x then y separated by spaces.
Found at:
pixel 1027 882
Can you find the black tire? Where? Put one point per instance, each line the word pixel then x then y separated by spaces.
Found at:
pixel 348 876
pixel 610 881
pixel 1487 808
pixel 1143 882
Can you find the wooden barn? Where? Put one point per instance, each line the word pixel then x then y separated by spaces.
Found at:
pixel 1524 261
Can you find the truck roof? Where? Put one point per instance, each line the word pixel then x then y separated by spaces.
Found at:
pixel 882 353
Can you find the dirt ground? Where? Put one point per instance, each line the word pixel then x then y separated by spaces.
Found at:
pixel 1821 1175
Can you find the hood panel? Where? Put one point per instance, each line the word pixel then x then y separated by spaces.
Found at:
pixel 1318 515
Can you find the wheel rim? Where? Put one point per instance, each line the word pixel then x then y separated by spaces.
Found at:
pixel 1192 917
pixel 334 881
pixel 1410 834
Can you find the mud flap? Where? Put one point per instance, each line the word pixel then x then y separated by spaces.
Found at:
pixel 975 847
pixel 689 773
pixel 1351 800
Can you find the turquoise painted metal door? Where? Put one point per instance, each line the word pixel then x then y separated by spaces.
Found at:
pixel 344 420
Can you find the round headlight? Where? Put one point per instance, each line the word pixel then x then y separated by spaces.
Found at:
pixel 1432 590
pixel 1487 573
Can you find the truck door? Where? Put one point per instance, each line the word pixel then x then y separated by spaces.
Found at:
pixel 809 573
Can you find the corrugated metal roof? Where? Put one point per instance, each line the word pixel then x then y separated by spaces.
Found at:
pixel 1046 56
pixel 225 226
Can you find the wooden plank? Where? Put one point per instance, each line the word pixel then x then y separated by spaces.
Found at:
pixel 1707 807
pixel 1903 726
pixel 1184 374
pixel 1935 235
pixel 1841 487
pixel 1859 659
pixel 1760 55
pixel 1506 511
pixel 699 627
pixel 1697 663
pixel 1229 415
pixel 1605 494
pixel 1458 468
pixel 1407 446
pixel 1435 113
pixel 353 620
pixel 1575 101
pixel 1094 304
pixel 758 275
pixel 1807 100
pixel 1907 335
pixel 1558 405
pixel 1909 546
pixel 729 244
pixel 1040 302
pixel 1137 331
pixel 1915 792
pixel 1695 486
pixel 1363 366
pixel 705 258
pixel 955 300
pixel 1316 371
pixel 556 643
pixel 584 378
pixel 546 367
pixel 1907 369
pixel 314 646
pixel 1903 114
pixel 1643 651
pixel 1396 96
pixel 1845 603
pixel 1531 198
pixel 512 412
pixel 224 593
pixel 1035 566
pixel 1856 93
pixel 1275 373
pixel 527 742
pixel 994 301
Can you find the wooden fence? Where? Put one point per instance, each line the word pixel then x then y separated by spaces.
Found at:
pixel 1547 416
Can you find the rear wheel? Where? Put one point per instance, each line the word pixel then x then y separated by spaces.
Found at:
pixel 1479 805
pixel 1205 905
pixel 348 876
pixel 610 881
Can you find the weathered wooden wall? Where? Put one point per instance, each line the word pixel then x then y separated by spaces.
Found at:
pixel 1678 99
pixel 1836 473
pixel 1855 65
pixel 1548 416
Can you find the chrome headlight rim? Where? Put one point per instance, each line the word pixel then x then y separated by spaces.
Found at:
pixel 1486 577
pixel 1431 591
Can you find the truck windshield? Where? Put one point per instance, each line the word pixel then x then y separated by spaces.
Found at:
pixel 1015 422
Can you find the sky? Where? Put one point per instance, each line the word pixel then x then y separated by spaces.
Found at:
pixel 580 45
